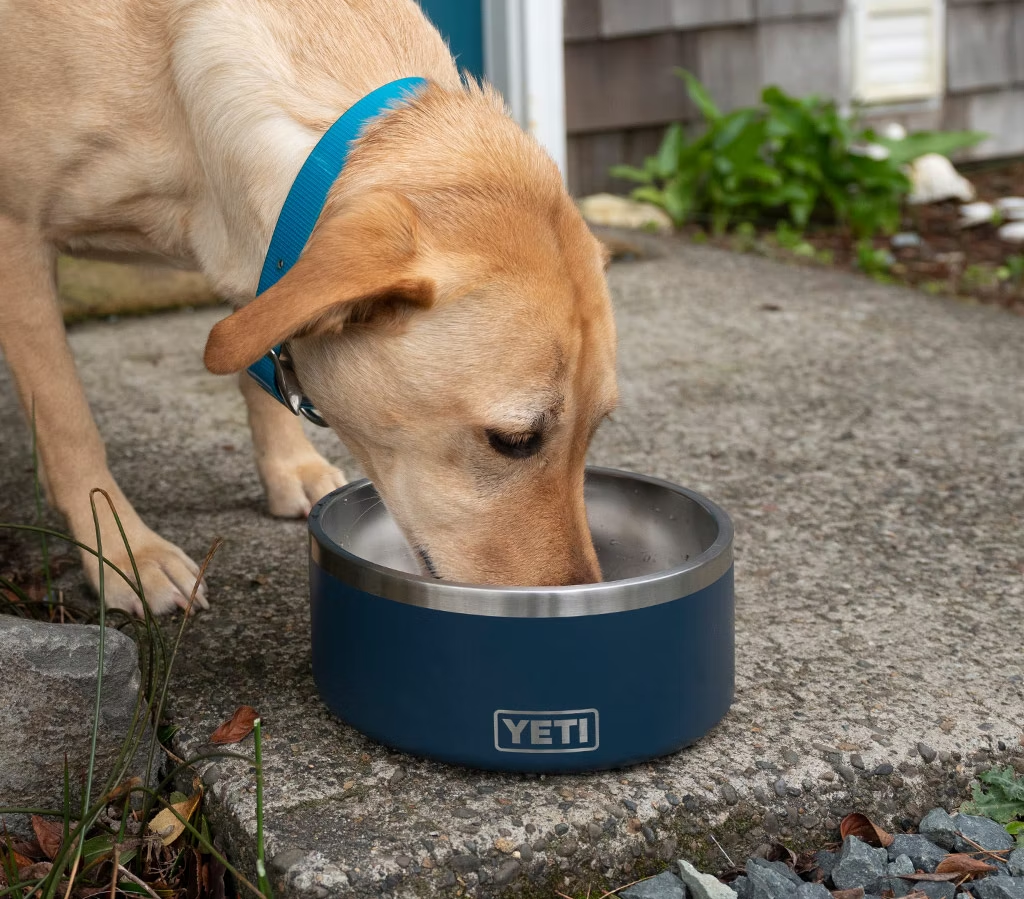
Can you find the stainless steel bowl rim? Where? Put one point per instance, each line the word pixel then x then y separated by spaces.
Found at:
pixel 528 602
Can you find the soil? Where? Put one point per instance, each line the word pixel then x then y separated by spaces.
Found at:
pixel 967 262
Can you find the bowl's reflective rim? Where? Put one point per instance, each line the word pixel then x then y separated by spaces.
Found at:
pixel 528 602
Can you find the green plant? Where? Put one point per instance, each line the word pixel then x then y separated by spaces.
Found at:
pixel 873 261
pixel 1013 268
pixel 789 158
pixel 1001 798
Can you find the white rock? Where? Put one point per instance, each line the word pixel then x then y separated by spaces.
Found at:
pixel 620 212
pixel 1011 208
pixel 1012 232
pixel 973 214
pixel 703 886
pixel 933 178
pixel 893 131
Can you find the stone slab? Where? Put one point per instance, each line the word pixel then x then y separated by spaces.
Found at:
pixel 47 701
pixel 867 442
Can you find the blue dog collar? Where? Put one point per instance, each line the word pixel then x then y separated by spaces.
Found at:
pixel 301 209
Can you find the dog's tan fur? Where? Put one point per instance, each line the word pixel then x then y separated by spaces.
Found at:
pixel 449 291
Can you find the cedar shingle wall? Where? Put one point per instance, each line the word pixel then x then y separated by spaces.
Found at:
pixel 621 93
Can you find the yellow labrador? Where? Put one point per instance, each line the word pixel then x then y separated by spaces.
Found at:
pixel 449 316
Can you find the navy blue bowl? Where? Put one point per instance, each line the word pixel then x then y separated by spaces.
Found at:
pixel 554 679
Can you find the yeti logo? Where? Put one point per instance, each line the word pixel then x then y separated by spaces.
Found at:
pixel 574 730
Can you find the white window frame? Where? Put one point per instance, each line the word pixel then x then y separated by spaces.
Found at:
pixel 525 60
pixel 932 88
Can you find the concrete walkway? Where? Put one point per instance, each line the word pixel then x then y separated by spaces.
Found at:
pixel 869 444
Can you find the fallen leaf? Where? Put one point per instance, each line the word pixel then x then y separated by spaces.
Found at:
pixel 34 872
pixel 167 826
pixel 20 861
pixel 961 863
pixel 238 728
pixel 776 852
pixel 848 747
pixel 123 788
pixel 855 893
pixel 862 826
pixel 49 834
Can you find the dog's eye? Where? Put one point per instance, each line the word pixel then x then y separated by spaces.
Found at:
pixel 515 446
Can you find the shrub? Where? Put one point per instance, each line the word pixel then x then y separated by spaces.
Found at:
pixel 789 158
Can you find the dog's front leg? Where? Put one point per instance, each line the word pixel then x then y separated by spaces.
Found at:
pixel 293 473
pixel 71 450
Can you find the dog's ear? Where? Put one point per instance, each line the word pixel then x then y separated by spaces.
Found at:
pixel 355 263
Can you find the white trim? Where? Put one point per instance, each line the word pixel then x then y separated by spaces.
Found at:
pixel 524 59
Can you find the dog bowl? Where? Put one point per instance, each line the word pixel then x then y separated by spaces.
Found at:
pixel 530 678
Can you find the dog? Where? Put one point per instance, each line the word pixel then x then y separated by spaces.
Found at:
pixel 448 317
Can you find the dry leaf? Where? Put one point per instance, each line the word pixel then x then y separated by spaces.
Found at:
pixel 34 872
pixel 961 863
pixel 49 834
pixel 167 826
pixel 855 893
pixel 238 728
pixel 124 788
pixel 847 747
pixel 861 826
pixel 20 861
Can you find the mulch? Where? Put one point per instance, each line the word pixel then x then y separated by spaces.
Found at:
pixel 972 263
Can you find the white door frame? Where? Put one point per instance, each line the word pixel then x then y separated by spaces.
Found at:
pixel 524 59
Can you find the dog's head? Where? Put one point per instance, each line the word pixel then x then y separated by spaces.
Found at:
pixel 461 344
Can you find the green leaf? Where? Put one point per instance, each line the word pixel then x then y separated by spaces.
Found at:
pixel 629 173
pixel 667 160
pixel 700 96
pixel 921 142
pixel 1004 780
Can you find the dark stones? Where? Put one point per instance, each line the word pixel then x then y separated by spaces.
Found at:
pixel 901 866
pixel 561 829
pixel 859 865
pixel 938 827
pixel 999 887
pixel 463 864
pixel 665 886
pixel 924 854
pixel 506 872
pixel 767 880
pixel 926 752
pixel 729 794
pixel 1015 862
pixel 883 770
pixel 983 831
pixel 812 891
pixel 944 890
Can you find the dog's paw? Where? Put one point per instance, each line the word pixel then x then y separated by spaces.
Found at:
pixel 294 485
pixel 168 576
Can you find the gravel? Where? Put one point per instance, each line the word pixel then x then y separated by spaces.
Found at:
pixel 922 852
pixel 939 827
pixel 1016 862
pixel 983 831
pixel 859 865
pixel 999 887
pixel 945 890
pixel 703 886
pixel 664 886
pixel 901 866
